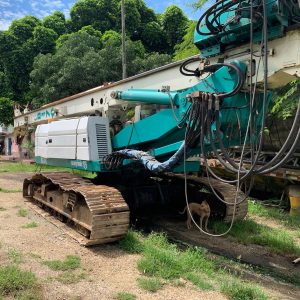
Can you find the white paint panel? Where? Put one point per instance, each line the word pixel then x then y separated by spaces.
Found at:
pixel 41 137
pixel 74 139
pixel 83 153
pixel 62 139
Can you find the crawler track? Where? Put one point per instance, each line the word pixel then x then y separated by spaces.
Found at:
pixel 226 191
pixel 98 212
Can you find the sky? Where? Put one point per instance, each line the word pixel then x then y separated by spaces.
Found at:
pixel 16 9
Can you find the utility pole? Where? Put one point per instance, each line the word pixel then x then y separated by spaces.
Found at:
pixel 124 67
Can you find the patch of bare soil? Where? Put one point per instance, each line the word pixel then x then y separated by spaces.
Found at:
pixel 108 270
pixel 12 180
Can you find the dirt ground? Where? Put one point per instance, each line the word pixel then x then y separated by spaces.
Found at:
pixel 108 269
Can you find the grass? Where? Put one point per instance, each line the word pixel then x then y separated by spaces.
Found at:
pixel 132 243
pixel 162 260
pixel 2 208
pixel 18 284
pixel 15 256
pixel 257 209
pixel 71 262
pixel 31 224
pixel 249 232
pixel 124 296
pixel 149 284
pixel 71 278
pixel 242 291
pixel 3 190
pixel 16 167
pixel 22 212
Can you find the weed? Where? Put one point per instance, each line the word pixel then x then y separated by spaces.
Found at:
pixel 2 208
pixel 124 296
pixel 31 224
pixel 70 263
pixel 164 260
pixel 178 283
pixel 249 232
pixel 69 277
pixel 15 256
pixel 199 280
pixel 149 284
pixel 237 290
pixel 3 190
pixel 22 212
pixel 14 167
pixel 132 242
pixel 17 283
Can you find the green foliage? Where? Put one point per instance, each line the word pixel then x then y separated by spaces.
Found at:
pixel 16 283
pixel 70 277
pixel 133 19
pixel 132 242
pixel 43 61
pixel 22 212
pixel 91 31
pixel 76 66
pixel 249 232
pixel 163 260
pixel 242 291
pixel 44 39
pixel 285 100
pixel 152 37
pixel 31 224
pixel 187 48
pixel 149 284
pixel 124 296
pixel 4 190
pixel 257 209
pixel 79 64
pixel 174 25
pixel 111 35
pixel 56 21
pixel 6 111
pixel 196 5
pixel 15 256
pixel 87 12
pixel 70 263
pixel 23 28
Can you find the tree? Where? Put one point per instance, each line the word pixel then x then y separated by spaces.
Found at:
pixel 187 47
pixel 174 24
pixel 56 21
pixel 44 39
pixel 76 66
pixel 101 14
pixel 22 29
pixel 147 14
pixel 80 64
pixel 197 4
pixel 152 61
pixel 91 31
pixel 154 38
pixel 6 111
pixel 132 18
pixel 111 35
